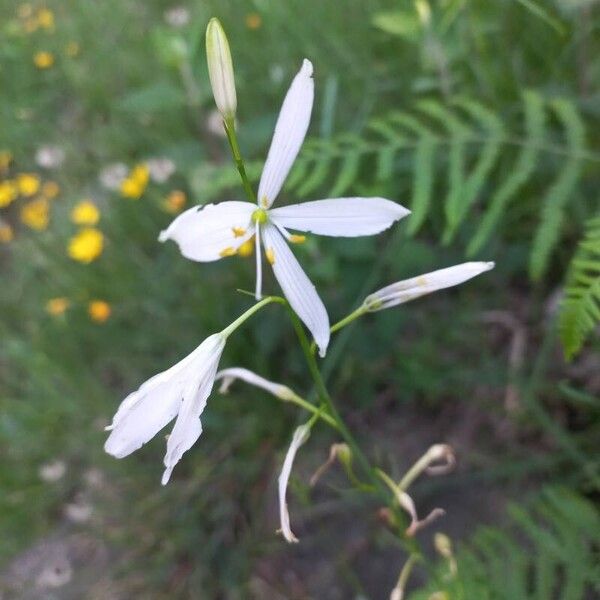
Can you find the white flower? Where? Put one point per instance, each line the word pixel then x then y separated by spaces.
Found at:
pixel 228 376
pixel 112 176
pixel 178 16
pixel 50 157
pixel 217 230
pixel 180 392
pixel 160 168
pixel 300 436
pixel 220 69
pixel 53 471
pixel 409 289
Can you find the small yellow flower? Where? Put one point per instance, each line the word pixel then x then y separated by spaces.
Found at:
pixel 86 246
pixel 253 21
pixel 36 214
pixel 8 192
pixel 6 158
pixel 72 49
pixel 50 190
pixel 99 310
pixel 174 202
pixel 85 213
pixel 28 183
pixel 43 59
pixel 247 248
pixel 45 18
pixel 57 306
pixel 135 184
pixel 6 233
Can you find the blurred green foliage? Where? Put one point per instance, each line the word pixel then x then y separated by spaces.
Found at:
pixel 481 117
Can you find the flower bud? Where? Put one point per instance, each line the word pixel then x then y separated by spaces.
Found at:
pixel 220 69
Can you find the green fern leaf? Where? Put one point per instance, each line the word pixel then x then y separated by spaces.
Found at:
pixel 547 234
pixel 519 175
pixel 580 309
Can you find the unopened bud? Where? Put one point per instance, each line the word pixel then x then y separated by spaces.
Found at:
pixel 220 69
pixel 443 544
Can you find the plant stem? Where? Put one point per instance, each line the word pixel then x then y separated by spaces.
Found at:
pixel 317 411
pixel 253 309
pixel 326 398
pixel 229 125
pixel 355 314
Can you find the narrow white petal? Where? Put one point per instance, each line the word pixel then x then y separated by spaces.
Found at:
pixel 300 436
pixel 188 427
pixel 228 376
pixel 258 289
pixel 290 130
pixel 207 233
pixel 297 287
pixel 342 217
pixel 409 289
pixel 146 411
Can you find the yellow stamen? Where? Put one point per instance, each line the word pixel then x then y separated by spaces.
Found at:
pixel 229 251
pixel 270 255
pixel 264 202
pixel 238 231
pixel 297 239
pixel 247 248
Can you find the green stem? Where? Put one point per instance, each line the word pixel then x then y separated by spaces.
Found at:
pixel 326 398
pixel 229 125
pixel 355 314
pixel 246 315
pixel 318 411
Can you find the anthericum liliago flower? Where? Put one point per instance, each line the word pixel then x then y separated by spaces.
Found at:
pixel 218 230
pixel 182 392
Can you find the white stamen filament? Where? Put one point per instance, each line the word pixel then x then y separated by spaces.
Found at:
pixel 258 292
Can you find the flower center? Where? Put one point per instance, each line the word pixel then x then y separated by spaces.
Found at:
pixel 260 216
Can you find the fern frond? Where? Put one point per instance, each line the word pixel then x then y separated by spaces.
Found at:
pixel 580 308
pixel 548 233
pixel 550 551
pixel 518 176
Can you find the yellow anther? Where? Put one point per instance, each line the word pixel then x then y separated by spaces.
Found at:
pixel 229 251
pixel 247 248
pixel 264 202
pixel 297 239
pixel 238 231
pixel 270 255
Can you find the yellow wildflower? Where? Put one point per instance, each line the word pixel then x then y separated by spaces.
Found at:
pixel 6 158
pixel 86 246
pixel 72 49
pixel 8 192
pixel 45 18
pixel 247 248
pixel 50 189
pixel 43 59
pixel 135 184
pixel 253 21
pixel 28 183
pixel 85 213
pixel 57 306
pixel 6 233
pixel 99 310
pixel 36 214
pixel 174 202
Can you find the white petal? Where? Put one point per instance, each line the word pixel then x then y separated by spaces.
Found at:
pixel 146 411
pixel 343 217
pixel 228 376
pixel 409 289
pixel 297 287
pixel 300 436
pixel 188 428
pixel 207 233
pixel 290 130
